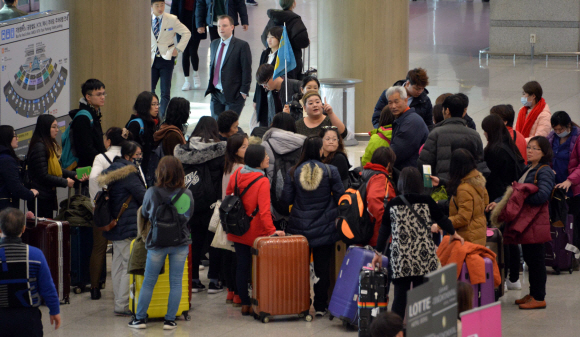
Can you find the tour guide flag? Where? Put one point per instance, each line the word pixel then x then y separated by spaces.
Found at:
pixel 285 59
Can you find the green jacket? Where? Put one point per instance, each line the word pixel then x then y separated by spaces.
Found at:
pixel 379 137
pixel 79 213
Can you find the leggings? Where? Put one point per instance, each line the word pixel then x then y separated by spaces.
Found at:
pixel 402 285
pixel 190 52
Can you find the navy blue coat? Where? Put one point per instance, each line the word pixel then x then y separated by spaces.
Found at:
pixel 546 182
pixel 409 134
pixel 313 192
pixel 123 179
pixel 421 104
pixel 11 188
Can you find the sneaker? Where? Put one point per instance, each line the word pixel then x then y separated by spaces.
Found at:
pixel 169 325
pixel 197 287
pixel 251 3
pixel 237 301
pixel 321 313
pixel 533 304
pixel 126 313
pixel 230 297
pixel 517 285
pixel 215 288
pixel 186 86
pixel 137 324
pixel 524 299
pixel 196 82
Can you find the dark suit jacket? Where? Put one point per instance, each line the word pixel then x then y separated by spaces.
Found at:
pixel 236 71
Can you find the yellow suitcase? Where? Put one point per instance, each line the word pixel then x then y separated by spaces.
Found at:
pixel 158 305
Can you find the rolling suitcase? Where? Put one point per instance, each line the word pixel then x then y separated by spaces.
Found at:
pixel 557 256
pixel 483 293
pixel 53 239
pixel 81 241
pixel 280 277
pixel 372 298
pixel 494 243
pixel 158 305
pixel 343 303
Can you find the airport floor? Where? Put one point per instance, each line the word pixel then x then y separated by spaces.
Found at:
pixel 445 38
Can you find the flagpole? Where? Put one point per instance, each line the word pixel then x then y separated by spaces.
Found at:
pixel 285 72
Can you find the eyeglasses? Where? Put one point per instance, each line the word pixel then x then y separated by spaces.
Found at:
pixel 265 84
pixel 154 104
pixel 533 148
pixel 15 136
pixel 54 127
pixel 101 94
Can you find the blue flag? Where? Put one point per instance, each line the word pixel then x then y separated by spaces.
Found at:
pixel 285 56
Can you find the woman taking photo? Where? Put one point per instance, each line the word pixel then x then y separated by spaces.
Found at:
pixel 44 168
pixel 566 162
pixel 142 125
pixel 170 184
pixel 315 119
pixel 171 132
pixel 126 186
pixel 534 117
pixel 412 242
pixel 114 139
pixel 333 152
pixel 296 106
pixel 537 231
pixel 203 159
pixel 11 188
pixel 268 57
pixel 313 190
pixel 258 196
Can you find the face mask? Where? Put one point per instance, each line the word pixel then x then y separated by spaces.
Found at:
pixel 137 161
pixel 563 134
pixel 525 102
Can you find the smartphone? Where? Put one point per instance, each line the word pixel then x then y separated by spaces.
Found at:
pixel 83 170
pixel 427 176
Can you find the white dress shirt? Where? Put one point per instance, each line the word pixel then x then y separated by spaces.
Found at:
pixel 217 54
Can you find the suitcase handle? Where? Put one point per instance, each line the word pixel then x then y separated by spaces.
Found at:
pixel 35 217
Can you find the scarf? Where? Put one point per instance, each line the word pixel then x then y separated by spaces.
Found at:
pixel 54 168
pixel 524 124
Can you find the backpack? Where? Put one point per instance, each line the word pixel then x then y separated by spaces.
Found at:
pixel 353 222
pixel 69 158
pixel 198 181
pixel 141 125
pixel 154 158
pixel 233 215
pixel 102 217
pixel 282 164
pixel 165 227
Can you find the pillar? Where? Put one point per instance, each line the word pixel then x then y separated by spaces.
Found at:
pixel 110 41
pixel 368 40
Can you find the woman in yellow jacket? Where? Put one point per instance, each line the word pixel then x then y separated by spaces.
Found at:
pixel 468 197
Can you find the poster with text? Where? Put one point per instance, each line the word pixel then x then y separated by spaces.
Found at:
pixel 35 68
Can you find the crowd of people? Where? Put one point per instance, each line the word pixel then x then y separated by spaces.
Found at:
pixel 150 159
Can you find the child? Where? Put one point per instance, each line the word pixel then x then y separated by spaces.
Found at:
pixel 23 281
pixel 380 137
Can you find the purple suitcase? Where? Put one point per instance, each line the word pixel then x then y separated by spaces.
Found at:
pixel 483 293
pixel 343 303
pixel 557 256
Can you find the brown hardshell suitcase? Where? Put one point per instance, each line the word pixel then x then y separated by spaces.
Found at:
pixel 53 239
pixel 281 277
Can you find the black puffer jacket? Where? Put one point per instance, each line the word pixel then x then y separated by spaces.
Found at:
pixel 313 192
pixel 297 34
pixel 422 105
pixel 87 139
pixel 11 188
pixel 40 180
pixel 123 179
pixel 145 138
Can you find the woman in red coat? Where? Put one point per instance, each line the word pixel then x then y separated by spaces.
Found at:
pixel 257 197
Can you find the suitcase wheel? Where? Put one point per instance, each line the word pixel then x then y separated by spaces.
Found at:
pixel 330 317
pixel 77 290
pixel 186 316
pixel 265 319
pixel 308 318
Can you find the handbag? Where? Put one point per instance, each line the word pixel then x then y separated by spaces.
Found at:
pixel 214 222
pixel 220 240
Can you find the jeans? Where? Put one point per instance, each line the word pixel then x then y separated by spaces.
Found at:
pixel 218 104
pixel 402 285
pixel 243 272
pixel 534 256
pixel 156 260
pixel 119 276
pixel 321 258
pixel 162 69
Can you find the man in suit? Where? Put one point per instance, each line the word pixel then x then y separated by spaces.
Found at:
pixel 230 72
pixel 164 26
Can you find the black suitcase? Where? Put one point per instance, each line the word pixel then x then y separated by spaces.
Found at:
pixel 81 241
pixel 372 298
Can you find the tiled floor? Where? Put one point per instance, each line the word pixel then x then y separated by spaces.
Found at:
pixel 445 38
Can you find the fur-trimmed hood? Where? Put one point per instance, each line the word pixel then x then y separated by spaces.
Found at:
pixel 197 152
pixel 477 180
pixel 493 217
pixel 119 170
pixel 310 176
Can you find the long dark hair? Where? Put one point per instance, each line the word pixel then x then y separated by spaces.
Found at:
pixel 498 134
pixel 6 136
pixel 42 134
pixel 462 162
pixel 233 145
pixel 387 117
pixel 177 112
pixel 310 151
pixel 142 106
pixel 207 130
pixel 284 121
pixel 115 135
pixel 340 148
pixel 410 181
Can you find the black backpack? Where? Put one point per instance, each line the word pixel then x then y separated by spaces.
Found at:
pixel 165 227
pixel 156 155
pixel 233 216
pixel 198 181
pixel 282 164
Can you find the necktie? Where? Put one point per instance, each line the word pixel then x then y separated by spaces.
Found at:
pixel 156 27
pixel 216 70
